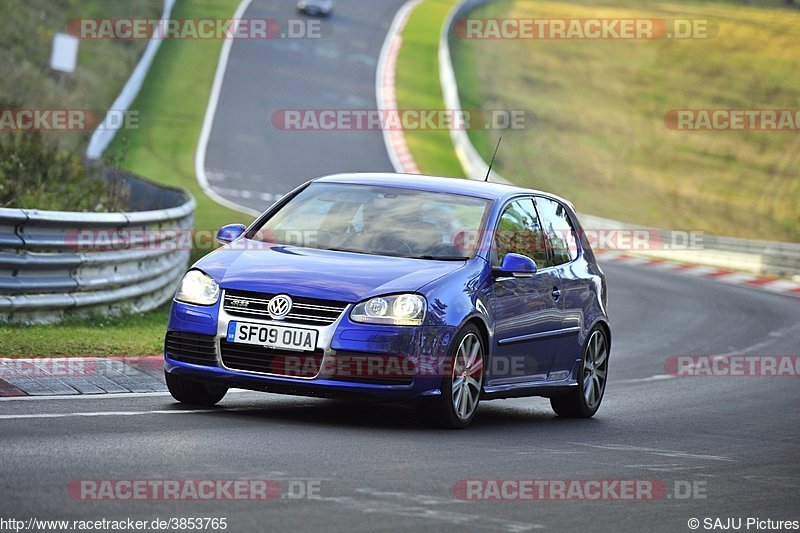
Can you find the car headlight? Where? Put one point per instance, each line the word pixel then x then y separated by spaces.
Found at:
pixel 198 288
pixel 397 309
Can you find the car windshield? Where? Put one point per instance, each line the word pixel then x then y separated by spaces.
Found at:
pixel 378 220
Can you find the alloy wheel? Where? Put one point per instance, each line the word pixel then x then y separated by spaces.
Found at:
pixel 467 376
pixel 595 369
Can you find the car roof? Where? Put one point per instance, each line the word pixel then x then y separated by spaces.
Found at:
pixel 479 189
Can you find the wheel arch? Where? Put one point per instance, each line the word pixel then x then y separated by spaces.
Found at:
pixel 479 322
pixel 483 328
pixel 606 327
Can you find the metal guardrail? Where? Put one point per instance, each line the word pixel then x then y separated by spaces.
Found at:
pixel 55 263
pixel 757 256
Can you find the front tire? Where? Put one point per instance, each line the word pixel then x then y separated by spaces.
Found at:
pixel 191 392
pixel 463 382
pixel 585 399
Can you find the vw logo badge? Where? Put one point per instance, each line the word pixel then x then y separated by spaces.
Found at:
pixel 279 307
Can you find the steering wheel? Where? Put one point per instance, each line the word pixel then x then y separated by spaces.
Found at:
pixel 391 242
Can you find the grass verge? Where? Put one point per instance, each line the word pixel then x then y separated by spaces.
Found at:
pixel 601 139
pixel 26 40
pixel 418 87
pixel 171 107
pixel 130 335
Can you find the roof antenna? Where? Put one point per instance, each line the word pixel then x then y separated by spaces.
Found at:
pixel 492 161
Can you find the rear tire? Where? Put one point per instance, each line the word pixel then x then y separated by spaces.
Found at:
pixel 191 392
pixel 462 384
pixel 584 400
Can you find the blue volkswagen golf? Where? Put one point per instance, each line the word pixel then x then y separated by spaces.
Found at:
pixel 442 291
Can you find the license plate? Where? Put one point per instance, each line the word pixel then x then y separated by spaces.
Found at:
pixel 285 338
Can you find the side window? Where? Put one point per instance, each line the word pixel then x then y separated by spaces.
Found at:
pixel 518 231
pixel 558 230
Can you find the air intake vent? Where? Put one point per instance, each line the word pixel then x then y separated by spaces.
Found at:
pixel 191 348
pixel 254 358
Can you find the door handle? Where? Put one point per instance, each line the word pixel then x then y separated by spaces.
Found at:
pixel 556 293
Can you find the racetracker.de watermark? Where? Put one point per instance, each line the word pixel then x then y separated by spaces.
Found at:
pixel 47 367
pixel 194 28
pixel 733 119
pixel 133 490
pixel 607 490
pixel 400 119
pixel 165 240
pixel 65 120
pixel 585 28
pixel 737 365
pixel 344 366
pixel 66 367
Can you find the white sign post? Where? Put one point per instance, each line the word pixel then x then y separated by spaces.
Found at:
pixel 65 55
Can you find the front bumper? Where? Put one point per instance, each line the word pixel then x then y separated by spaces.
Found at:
pixel 425 349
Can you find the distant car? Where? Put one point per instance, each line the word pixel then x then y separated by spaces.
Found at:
pixel 317 8
pixel 439 290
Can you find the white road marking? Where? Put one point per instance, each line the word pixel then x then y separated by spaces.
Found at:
pixel 395 28
pixel 654 451
pixel 535 451
pixel 657 377
pixel 238 193
pixel 83 396
pixel 363 58
pixel 101 413
pixel 107 396
pixel 208 122
pixel 429 512
pixel 785 481
pixel 415 498
pixel 27 416
pixel 665 467
pixel 326 51
pixel 772 337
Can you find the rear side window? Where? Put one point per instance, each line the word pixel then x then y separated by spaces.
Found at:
pixel 519 231
pixel 558 230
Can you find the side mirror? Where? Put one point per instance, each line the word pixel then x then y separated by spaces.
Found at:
pixel 230 233
pixel 516 265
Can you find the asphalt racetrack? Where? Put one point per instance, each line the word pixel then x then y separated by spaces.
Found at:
pixel 720 447
pixel 250 160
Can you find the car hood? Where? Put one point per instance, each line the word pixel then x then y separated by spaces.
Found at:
pixel 313 273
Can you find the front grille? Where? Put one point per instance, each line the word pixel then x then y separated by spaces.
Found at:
pixel 308 311
pixel 191 348
pixel 253 358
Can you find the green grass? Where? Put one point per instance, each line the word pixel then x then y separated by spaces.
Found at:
pixel 600 139
pixel 418 87
pixel 126 336
pixel 26 37
pixel 171 108
pixel 43 169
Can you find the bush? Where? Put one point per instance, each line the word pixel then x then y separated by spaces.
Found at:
pixel 37 175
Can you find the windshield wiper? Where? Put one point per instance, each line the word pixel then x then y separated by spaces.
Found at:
pixel 441 257
pixel 347 250
pixel 388 254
